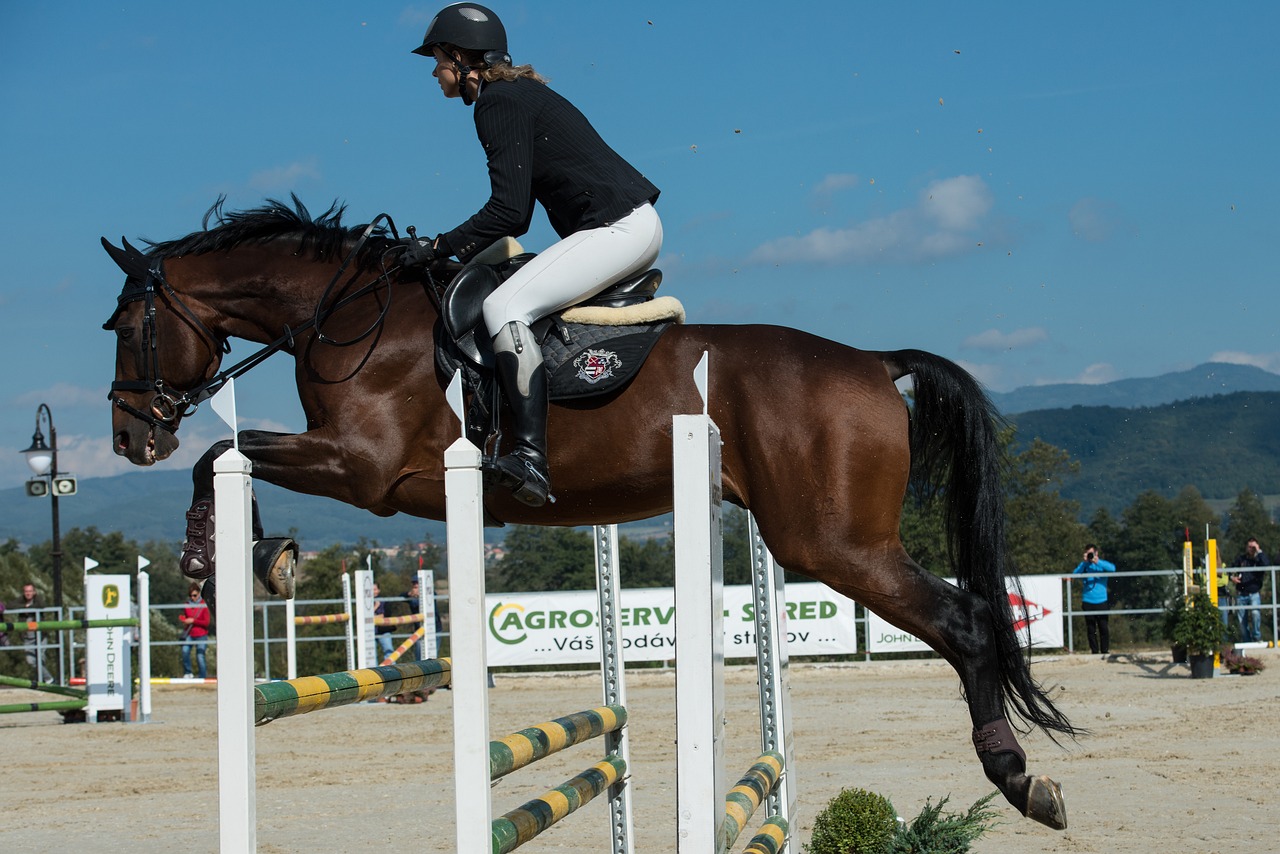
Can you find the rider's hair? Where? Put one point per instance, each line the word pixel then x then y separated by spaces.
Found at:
pixel 494 73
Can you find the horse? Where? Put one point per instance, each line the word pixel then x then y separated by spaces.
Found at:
pixel 818 441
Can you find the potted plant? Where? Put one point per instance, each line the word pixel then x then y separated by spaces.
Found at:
pixel 1199 628
pixel 1242 665
pixel 1172 615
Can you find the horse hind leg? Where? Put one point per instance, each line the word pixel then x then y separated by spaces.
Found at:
pixel 959 626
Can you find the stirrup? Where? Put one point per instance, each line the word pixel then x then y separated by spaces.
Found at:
pixel 528 482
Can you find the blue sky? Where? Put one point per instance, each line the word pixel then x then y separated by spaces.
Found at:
pixel 1043 192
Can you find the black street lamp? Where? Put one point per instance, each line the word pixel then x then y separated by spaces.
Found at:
pixel 43 460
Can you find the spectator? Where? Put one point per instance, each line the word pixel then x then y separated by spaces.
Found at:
pixel 4 636
pixel 31 602
pixel 195 632
pixel 1095 600
pixel 1249 591
pixel 414 595
pixel 381 634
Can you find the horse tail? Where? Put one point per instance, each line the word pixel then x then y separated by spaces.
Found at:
pixel 956 453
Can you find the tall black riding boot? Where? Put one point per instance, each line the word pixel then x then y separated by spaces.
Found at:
pixel 518 360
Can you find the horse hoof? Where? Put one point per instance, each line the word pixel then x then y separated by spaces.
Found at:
pixel 1044 803
pixel 274 560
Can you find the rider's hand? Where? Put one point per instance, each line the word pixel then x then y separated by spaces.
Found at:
pixel 418 254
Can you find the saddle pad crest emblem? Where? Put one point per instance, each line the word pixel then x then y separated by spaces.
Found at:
pixel 596 365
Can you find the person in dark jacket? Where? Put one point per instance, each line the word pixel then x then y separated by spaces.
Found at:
pixel 541 149
pixel 1249 591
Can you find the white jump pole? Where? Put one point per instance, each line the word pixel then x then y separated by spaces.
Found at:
pixel 290 639
pixel 701 785
pixel 430 644
pixel 233 490
pixel 144 642
pixel 464 514
pixel 366 649
pixel 351 630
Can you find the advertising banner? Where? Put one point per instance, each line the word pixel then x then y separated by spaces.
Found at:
pixel 562 627
pixel 1037 618
pixel 107 597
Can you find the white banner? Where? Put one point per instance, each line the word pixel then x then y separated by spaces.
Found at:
pixel 107 597
pixel 562 628
pixel 1037 618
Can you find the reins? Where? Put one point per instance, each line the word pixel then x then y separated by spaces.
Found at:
pixel 166 409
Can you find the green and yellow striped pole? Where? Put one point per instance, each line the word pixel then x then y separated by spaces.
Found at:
pixel 47 687
pixel 525 822
pixel 54 706
pixel 770 838
pixel 65 625
pixel 745 797
pixel 290 697
pixel 529 745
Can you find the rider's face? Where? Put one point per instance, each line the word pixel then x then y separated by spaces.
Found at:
pixel 446 74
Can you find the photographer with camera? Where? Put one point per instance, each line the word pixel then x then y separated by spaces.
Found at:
pixel 1094 598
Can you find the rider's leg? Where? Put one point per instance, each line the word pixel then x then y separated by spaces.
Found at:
pixel 518 360
pixel 581 265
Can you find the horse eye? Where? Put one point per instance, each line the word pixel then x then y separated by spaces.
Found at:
pixel 125 333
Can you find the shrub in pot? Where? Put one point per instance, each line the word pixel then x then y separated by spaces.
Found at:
pixel 1199 628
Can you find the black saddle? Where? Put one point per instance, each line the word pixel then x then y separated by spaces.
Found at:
pixel 581 359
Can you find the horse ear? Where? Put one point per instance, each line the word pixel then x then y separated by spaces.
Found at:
pixel 129 259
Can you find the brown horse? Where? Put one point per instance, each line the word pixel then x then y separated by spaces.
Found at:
pixel 818 442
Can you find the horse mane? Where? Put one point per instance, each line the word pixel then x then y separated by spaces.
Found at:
pixel 323 236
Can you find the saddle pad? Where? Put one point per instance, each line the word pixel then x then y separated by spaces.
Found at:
pixel 597 359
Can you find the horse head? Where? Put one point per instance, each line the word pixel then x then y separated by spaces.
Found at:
pixel 164 355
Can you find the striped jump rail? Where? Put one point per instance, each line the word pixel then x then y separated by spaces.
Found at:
pixel 405 647
pixel 65 625
pixel 46 687
pixel 745 797
pixel 537 742
pixel 405 620
pixel 528 820
pixel 287 698
pixel 52 706
pixel 770 838
pixel 321 619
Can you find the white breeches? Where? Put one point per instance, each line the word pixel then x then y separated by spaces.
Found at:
pixel 580 266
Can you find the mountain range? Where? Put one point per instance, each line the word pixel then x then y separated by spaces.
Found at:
pixel 1157 433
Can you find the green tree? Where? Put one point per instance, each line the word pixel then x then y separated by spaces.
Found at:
pixel 1044 532
pixel 647 563
pixel 545 558
pixel 1248 517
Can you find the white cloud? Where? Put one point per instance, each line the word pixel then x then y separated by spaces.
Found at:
pixel 1095 374
pixel 1266 361
pixel 1098 220
pixel 64 394
pixel 991 376
pixel 941 224
pixel 836 182
pixel 285 177
pixel 1018 339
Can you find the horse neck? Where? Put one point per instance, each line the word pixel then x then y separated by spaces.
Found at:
pixel 253 293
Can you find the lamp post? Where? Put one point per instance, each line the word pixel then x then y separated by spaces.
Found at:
pixel 43 460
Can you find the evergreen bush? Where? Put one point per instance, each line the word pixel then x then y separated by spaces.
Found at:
pixel 854 822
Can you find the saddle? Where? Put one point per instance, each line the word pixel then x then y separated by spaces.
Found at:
pixel 589 350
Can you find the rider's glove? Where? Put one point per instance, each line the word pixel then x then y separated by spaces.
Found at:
pixel 418 254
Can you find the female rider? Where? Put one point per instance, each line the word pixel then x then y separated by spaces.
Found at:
pixel 539 148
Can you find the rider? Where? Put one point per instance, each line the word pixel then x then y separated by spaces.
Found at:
pixel 539 148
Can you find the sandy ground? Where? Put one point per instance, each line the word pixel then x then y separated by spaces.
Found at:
pixel 1172 765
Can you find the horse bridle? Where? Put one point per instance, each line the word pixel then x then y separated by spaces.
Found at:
pixel 169 407
pixel 166 408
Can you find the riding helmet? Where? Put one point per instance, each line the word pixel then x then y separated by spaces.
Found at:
pixel 469 26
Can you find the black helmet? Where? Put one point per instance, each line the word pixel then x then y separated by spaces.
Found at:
pixel 469 26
